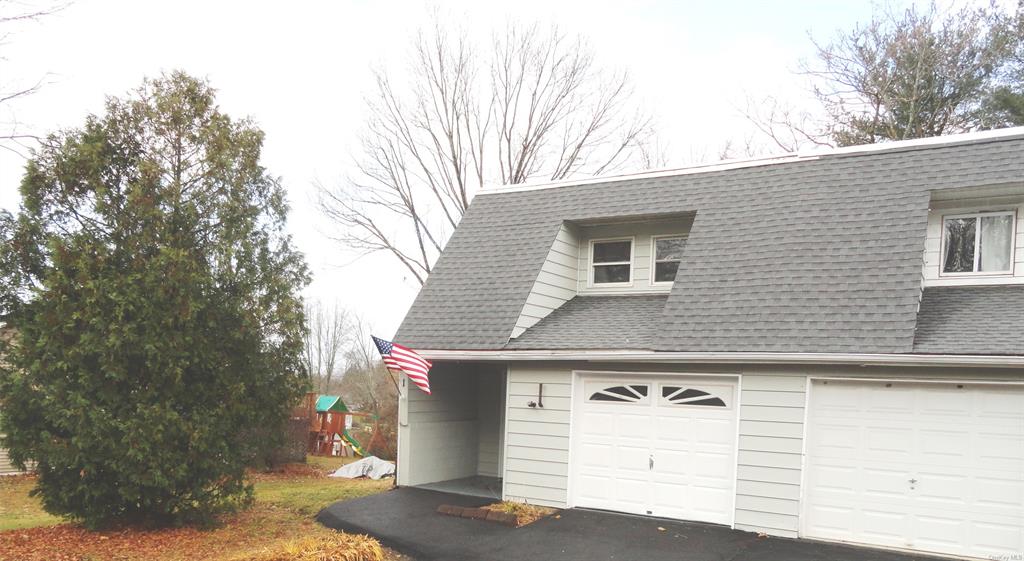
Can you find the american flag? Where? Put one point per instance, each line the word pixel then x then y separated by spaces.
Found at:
pixel 404 360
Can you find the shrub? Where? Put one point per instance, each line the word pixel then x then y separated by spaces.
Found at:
pixel 155 308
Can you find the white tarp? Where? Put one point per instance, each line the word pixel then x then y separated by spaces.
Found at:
pixel 371 466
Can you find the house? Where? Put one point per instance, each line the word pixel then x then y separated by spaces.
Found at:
pixel 6 467
pixel 824 345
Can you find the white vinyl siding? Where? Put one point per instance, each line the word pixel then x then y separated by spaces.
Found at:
pixel 5 464
pixel 642 234
pixel 537 439
pixel 933 241
pixel 770 448
pixel 770 440
pixel 490 438
pixel 448 434
pixel 556 284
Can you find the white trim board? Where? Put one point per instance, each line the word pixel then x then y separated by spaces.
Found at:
pixel 611 356
pixel 946 140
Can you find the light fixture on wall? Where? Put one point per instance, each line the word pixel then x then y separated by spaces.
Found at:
pixel 540 398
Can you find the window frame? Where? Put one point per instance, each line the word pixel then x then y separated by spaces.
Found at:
pixel 654 257
pixel 644 401
pixel 591 264
pixel 978 215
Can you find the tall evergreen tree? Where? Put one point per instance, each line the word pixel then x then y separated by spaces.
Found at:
pixel 154 294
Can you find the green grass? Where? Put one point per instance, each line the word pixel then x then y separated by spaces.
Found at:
pixel 302 495
pixel 327 463
pixel 309 496
pixel 17 509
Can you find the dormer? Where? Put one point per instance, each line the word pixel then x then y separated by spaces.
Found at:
pixel 631 256
pixel 975 237
pixel 624 255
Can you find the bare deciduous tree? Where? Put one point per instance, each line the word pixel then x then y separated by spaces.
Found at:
pixel 538 106
pixel 368 387
pixel 13 13
pixel 913 74
pixel 328 334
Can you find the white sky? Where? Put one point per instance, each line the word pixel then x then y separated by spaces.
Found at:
pixel 301 69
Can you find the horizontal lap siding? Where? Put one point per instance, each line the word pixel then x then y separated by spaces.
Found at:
pixel 770 453
pixel 5 464
pixel 537 439
pixel 555 284
pixel 492 400
pixel 443 432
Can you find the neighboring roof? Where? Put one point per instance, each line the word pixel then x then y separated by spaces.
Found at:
pixel 975 320
pixel 597 322
pixel 330 403
pixel 813 254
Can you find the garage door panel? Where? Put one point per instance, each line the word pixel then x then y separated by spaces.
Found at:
pixel 662 456
pixel 1000 451
pixel 711 465
pixel 631 458
pixel 884 526
pixel 1001 494
pixel 842 442
pixel 887 443
pixel 675 429
pixel 941 472
pixel 883 484
pixel 990 538
pixel 716 432
pixel 830 521
pixel 596 423
pixel 633 425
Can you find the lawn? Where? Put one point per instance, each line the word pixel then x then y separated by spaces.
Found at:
pixel 286 502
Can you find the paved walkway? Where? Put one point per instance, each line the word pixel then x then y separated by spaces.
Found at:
pixel 404 519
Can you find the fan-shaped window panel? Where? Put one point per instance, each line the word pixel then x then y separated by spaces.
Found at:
pixel 679 395
pixel 626 393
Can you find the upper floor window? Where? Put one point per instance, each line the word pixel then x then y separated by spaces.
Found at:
pixel 611 261
pixel 978 243
pixel 668 252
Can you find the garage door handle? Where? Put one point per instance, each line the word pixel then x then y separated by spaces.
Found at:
pixel 650 462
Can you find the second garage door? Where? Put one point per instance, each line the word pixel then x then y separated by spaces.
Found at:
pixel 656 446
pixel 932 467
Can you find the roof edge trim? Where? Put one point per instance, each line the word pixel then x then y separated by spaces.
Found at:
pixel 998 361
pixel 804 155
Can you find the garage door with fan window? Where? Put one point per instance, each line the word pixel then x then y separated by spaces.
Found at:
pixel 925 466
pixel 660 446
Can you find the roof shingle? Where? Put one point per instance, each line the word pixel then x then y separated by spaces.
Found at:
pixel 821 254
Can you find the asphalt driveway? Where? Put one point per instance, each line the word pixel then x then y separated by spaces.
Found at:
pixel 405 519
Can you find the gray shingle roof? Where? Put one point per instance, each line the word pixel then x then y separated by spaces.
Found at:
pixel 597 322
pixel 976 320
pixel 814 255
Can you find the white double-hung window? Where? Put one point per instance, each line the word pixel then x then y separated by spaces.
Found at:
pixel 979 243
pixel 611 262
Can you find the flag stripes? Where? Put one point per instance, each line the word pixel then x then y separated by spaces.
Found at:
pixel 404 360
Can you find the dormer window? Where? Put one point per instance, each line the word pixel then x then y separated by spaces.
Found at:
pixel 611 262
pixel 978 243
pixel 668 252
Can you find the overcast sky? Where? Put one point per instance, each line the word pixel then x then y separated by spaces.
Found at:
pixel 301 69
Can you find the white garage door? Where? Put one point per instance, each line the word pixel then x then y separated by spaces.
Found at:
pixel 933 467
pixel 659 446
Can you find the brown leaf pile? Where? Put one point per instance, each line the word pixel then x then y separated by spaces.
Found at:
pixel 246 532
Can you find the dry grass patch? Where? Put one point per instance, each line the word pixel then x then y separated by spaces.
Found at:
pixel 280 523
pixel 524 513
pixel 17 509
pixel 339 547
